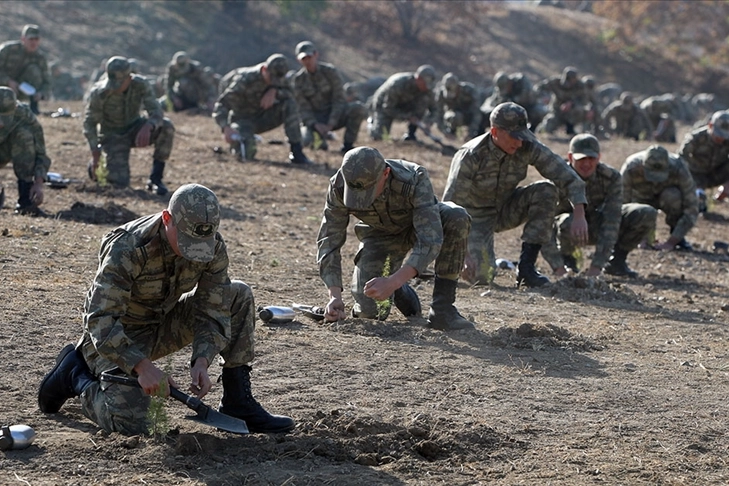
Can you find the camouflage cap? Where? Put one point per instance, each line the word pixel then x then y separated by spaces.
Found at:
pixel 31 31
pixel 277 66
pixel 655 164
pixel 117 70
pixel 569 72
pixel 181 58
pixel 584 145
pixel 720 124
pixel 305 49
pixel 361 168
pixel 513 118
pixel 426 72
pixel 500 79
pixel 450 84
pixel 8 102
pixel 196 215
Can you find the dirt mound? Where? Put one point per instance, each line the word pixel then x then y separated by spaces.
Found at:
pixel 541 336
pixel 580 289
pixel 108 213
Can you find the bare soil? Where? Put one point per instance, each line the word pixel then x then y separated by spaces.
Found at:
pixel 607 381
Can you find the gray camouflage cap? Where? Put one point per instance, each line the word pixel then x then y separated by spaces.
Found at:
pixel 8 102
pixel 655 164
pixel 305 49
pixel 31 31
pixel 117 70
pixel 720 124
pixel 450 84
pixel 277 66
pixel 427 73
pixel 181 58
pixel 584 145
pixel 513 118
pixel 361 168
pixel 196 215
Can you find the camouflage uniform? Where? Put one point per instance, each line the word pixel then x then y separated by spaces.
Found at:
pixel 569 103
pixel 65 85
pixel 707 160
pixel 483 179
pixel 186 81
pixel 675 195
pixel 514 87
pixel 630 119
pixel 406 220
pixel 662 111
pixel 457 104
pixel 112 121
pixel 320 96
pixel 399 98
pixel 21 66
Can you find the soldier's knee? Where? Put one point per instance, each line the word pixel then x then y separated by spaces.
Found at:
pixel 454 217
pixel 545 192
pixel 241 293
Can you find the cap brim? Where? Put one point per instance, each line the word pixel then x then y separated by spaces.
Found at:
pixel 302 55
pixel 524 134
pixel 359 199
pixel 652 176
pixel 585 154
pixel 196 249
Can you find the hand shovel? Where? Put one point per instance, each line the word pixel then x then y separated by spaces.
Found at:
pixel 445 149
pixel 205 414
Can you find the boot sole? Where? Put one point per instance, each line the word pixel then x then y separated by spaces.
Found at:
pixel 69 348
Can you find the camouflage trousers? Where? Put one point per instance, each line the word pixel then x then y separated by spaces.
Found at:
pixel 283 112
pixel 454 119
pixel 637 222
pixel 670 201
pixel 350 119
pixel 189 93
pixel 531 205
pixel 123 408
pixel 381 118
pixel 33 75
pixel 382 255
pixel 117 147
pixel 553 120
pixel 718 176
pixel 21 148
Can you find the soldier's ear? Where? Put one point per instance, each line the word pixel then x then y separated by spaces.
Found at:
pixel 166 217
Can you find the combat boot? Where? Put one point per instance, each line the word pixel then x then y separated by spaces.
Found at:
pixel 526 271
pixel 155 183
pixel 346 147
pixel 570 262
pixel 443 314
pixel 24 204
pixel 617 265
pixel 68 378
pixel 407 301
pixel 296 156
pixel 238 402
pixel 410 137
pixel 2 196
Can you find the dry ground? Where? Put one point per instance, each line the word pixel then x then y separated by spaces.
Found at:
pixel 609 381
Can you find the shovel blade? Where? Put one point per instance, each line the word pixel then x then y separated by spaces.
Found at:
pixel 213 418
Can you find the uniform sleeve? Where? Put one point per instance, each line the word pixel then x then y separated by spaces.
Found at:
pixel 426 224
pixel 627 177
pixel 42 162
pixel 687 149
pixel 231 97
pixel 4 74
pixel 339 102
pixel 92 117
pixel 689 203
pixel 459 184
pixel 331 238
pixel 169 80
pixel 611 216
pixel 475 113
pixel 555 169
pixel 154 111
pixel 45 87
pixel 306 110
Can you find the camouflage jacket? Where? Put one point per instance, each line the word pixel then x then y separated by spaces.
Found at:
pixel 562 94
pixel 467 101
pixel 242 98
pixel 522 93
pixel 407 207
pixel 14 59
pixel 23 117
pixel 116 113
pixel 319 92
pixel 482 176
pixel 701 153
pixel 637 189
pixel 604 191
pixel 625 119
pixel 401 93
pixel 140 279
pixel 195 73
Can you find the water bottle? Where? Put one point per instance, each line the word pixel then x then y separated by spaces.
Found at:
pixel 276 315
pixel 16 437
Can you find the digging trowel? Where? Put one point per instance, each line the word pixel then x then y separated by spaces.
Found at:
pixel 445 149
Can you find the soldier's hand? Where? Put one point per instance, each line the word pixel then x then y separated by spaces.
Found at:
pixel 323 129
pixel 230 135
pixel 12 84
pixel 200 384
pixel 578 228
pixel 152 380
pixel 379 288
pixel 592 272
pixel 469 269
pixel 143 135
pixel 335 310
pixel 560 271
pixel 36 192
pixel 268 99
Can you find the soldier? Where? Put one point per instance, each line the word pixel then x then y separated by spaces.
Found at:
pixel 187 85
pixel 626 119
pixel 65 86
pixel 514 87
pixel 24 68
pixel 662 111
pixel 655 177
pixel 613 227
pixel 258 99
pixel 162 284
pixel 322 103
pixel 706 151
pixel 112 122
pixel 568 106
pixel 22 142
pixel 457 105
pixel 404 96
pixel 483 179
pixel 415 225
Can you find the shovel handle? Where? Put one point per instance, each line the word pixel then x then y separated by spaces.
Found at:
pixel 193 403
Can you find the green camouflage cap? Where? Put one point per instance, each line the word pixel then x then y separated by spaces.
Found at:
pixel 31 31
pixel 584 145
pixel 117 70
pixel 277 66
pixel 427 73
pixel 196 215
pixel 8 102
pixel 513 118
pixel 655 164
pixel 305 49
pixel 450 84
pixel 361 168
pixel 720 124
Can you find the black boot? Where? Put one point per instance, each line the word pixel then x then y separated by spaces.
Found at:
pixel 155 178
pixel 526 272
pixel 296 156
pixel 68 378
pixel 570 262
pixel 238 402
pixel 618 266
pixel 443 314
pixel 407 301
pixel 410 137
pixel 2 196
pixel 346 147
pixel 34 105
pixel 25 205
